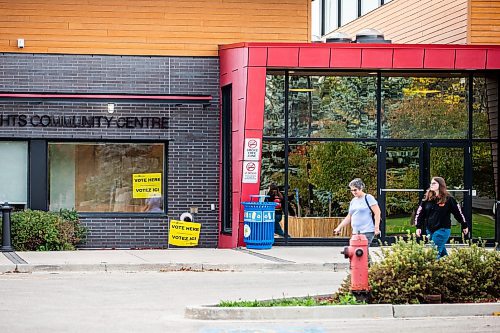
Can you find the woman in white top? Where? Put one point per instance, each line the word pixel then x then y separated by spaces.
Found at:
pixel 360 215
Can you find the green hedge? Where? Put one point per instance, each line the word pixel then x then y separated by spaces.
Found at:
pixel 35 230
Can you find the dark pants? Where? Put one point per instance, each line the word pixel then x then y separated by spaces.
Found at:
pixel 277 226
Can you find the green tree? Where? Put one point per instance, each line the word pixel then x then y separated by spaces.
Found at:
pixel 335 164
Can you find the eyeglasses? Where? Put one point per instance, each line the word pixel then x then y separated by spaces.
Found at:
pixel 354 190
pixel 434 183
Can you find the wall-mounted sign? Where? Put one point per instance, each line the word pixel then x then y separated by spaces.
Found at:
pixel 23 120
pixel 146 185
pixel 252 149
pixel 250 172
pixel 183 233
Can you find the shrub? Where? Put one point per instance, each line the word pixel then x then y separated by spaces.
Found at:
pixel 470 274
pixel 409 272
pixel 35 230
pixel 405 274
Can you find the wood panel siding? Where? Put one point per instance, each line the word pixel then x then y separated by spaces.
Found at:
pixel 484 23
pixel 416 22
pixel 149 27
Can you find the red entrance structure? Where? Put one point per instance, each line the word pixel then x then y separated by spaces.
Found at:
pixel 244 67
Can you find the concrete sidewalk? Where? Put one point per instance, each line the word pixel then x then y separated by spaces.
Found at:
pixel 199 259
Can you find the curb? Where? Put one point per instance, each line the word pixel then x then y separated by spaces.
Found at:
pixel 445 310
pixel 342 311
pixel 169 267
pixel 289 312
pixel 10 268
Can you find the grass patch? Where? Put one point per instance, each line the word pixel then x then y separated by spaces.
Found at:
pixel 346 299
pixel 483 226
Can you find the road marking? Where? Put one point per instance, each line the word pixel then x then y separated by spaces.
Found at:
pixel 304 329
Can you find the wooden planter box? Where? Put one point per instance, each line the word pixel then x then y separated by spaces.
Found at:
pixel 320 227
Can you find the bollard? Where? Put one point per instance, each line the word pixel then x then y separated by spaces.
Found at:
pixel 6 240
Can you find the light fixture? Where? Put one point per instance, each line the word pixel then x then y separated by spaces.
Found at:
pixel 302 89
pixel 111 108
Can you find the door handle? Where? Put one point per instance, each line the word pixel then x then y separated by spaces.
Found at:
pixel 401 190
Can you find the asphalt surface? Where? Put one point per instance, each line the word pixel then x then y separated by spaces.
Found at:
pixel 303 263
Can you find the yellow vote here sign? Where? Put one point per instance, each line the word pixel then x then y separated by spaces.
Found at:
pixel 146 185
pixel 184 233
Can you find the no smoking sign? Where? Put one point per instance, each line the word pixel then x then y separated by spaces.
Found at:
pixel 250 172
pixel 252 149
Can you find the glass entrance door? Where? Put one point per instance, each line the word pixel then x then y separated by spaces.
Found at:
pixel 449 162
pixel 401 186
pixel 406 172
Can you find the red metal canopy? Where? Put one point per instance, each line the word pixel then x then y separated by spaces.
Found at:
pixel 369 56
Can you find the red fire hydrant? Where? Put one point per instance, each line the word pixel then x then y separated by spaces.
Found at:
pixel 357 252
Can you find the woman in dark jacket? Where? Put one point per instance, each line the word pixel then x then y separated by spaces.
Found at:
pixel 434 215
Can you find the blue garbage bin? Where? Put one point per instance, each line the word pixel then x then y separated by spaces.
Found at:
pixel 258 230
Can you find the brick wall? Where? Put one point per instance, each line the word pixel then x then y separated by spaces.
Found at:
pixel 193 133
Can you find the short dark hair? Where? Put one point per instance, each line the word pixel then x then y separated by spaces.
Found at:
pixel 273 187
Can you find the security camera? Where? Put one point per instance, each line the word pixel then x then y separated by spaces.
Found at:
pixel 20 43
pixel 186 217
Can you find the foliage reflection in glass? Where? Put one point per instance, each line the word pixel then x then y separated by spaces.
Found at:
pixel 483 199
pixel 321 171
pixel 424 108
pixel 335 106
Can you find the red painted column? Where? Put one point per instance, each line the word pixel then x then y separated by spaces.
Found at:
pixel 254 123
pixel 248 94
pixel 233 71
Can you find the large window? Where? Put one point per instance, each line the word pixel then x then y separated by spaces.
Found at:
pixel 331 16
pixel 369 5
pixel 484 108
pixel 274 115
pixel 338 105
pixel 319 174
pixel 14 173
pixel 341 105
pixel 348 11
pixel 425 107
pixel 106 177
pixel 317 140
pixel 336 13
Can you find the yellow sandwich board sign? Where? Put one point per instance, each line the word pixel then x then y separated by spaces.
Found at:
pixel 146 185
pixel 183 233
